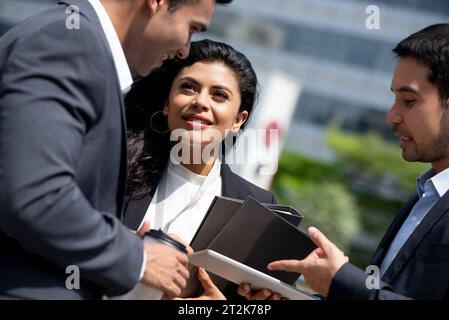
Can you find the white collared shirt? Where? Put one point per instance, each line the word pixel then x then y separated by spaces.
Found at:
pixel 121 66
pixel 183 203
pixel 440 180
pixel 185 200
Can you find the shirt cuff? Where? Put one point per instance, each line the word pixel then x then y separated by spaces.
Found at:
pixel 142 271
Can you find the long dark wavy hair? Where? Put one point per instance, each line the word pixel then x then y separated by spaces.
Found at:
pixel 148 150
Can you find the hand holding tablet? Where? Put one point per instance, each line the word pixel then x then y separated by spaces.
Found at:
pixel 239 273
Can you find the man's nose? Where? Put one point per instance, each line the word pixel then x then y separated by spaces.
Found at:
pixel 184 51
pixel 393 116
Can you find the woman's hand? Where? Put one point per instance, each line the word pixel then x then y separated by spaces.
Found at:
pixel 211 292
pixel 263 294
pixel 144 228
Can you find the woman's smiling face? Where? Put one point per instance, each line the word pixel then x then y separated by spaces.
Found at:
pixel 205 100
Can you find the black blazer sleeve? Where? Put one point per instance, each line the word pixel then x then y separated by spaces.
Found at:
pixel 48 87
pixel 349 283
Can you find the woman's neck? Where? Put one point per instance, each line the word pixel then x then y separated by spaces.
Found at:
pixel 202 169
pixel 201 166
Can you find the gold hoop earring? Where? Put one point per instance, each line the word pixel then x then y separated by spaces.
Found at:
pixel 154 128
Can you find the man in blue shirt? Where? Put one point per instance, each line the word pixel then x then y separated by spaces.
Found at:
pixel 413 256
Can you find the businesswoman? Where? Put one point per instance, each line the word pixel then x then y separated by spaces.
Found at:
pixel 182 119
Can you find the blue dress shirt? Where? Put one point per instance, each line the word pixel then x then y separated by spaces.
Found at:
pixel 431 187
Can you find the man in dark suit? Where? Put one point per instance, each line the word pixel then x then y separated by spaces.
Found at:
pixel 413 256
pixel 63 146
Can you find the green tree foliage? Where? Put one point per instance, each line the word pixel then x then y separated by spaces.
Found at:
pixel 330 195
pixel 329 207
pixel 314 188
pixel 372 156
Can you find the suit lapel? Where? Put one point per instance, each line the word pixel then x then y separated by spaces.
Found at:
pixel 135 211
pixel 432 217
pixel 88 11
pixel 392 230
pixel 121 193
pixel 84 8
pixel 229 184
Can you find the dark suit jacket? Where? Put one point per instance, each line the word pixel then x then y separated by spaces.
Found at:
pixel 233 186
pixel 419 271
pixel 62 161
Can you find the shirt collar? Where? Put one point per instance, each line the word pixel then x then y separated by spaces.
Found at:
pixel 439 181
pixel 121 66
pixel 192 177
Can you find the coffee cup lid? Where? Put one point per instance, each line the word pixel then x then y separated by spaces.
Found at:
pixel 162 236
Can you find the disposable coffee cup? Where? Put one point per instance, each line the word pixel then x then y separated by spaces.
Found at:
pixel 144 292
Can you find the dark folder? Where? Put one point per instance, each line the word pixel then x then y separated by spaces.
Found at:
pixel 222 209
pixel 253 234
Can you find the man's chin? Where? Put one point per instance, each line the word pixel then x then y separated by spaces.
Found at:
pixel 158 64
pixel 143 71
pixel 139 73
pixel 410 156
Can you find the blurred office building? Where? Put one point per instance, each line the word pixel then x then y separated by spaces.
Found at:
pixel 14 11
pixel 319 62
pixel 342 66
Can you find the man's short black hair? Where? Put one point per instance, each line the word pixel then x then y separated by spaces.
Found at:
pixel 430 46
pixel 175 4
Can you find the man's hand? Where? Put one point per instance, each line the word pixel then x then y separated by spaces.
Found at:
pixel 211 292
pixel 320 267
pixel 174 236
pixel 165 269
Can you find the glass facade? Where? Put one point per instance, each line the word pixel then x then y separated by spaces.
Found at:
pixel 340 48
pixel 324 111
pixel 295 38
pixel 344 69
pixel 433 6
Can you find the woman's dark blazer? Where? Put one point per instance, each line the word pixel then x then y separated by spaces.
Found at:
pixel 233 186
